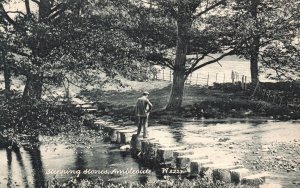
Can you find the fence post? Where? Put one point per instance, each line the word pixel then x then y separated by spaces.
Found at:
pixel 216 77
pixel 170 75
pixel 207 78
pixel 232 76
pixel 197 80
pixel 224 79
pixel 245 82
pixel 163 75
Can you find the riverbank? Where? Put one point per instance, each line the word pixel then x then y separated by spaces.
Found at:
pixel 199 103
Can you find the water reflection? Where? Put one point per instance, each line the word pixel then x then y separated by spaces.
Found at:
pixel 177 132
pixel 9 167
pixel 17 168
pixel 80 161
pixel 30 166
pixel 22 166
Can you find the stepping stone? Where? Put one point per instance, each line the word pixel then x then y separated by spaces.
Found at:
pixel 91 110
pixel 238 174
pixel 109 127
pixel 166 145
pixel 196 165
pixel 100 124
pixel 149 150
pixel 182 152
pixel 185 160
pixel 135 144
pixel 100 121
pixel 219 171
pixel 77 101
pixel 256 179
pixel 166 153
pixel 125 135
pixel 113 133
pixel 129 123
pixel 223 173
pixel 86 106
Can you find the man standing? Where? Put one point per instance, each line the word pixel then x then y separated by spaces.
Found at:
pixel 142 110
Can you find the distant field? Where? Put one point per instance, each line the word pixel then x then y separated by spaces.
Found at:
pixel 218 72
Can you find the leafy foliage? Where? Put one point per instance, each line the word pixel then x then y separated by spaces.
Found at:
pixel 33 117
pixel 275 24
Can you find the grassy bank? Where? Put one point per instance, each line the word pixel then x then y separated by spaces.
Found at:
pixel 198 103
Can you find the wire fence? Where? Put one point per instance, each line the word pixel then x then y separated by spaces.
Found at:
pixel 239 82
pixel 290 98
pixel 206 79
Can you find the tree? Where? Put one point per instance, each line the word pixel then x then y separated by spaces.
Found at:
pixel 32 42
pixel 5 60
pixel 281 54
pixel 271 29
pixel 191 35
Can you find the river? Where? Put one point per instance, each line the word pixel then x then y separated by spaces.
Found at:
pixel 222 140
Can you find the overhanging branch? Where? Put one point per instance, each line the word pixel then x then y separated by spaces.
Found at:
pixel 214 60
pixel 209 8
pixel 6 16
pixel 188 71
pixel 15 12
pixel 35 1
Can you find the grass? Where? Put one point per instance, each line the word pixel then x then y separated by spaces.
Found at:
pixel 198 102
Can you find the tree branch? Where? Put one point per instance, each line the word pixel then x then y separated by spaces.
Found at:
pixel 27 5
pixel 59 10
pixel 6 16
pixel 15 12
pixel 190 70
pixel 221 2
pixel 169 64
pixel 165 62
pixel 214 60
pixel 36 1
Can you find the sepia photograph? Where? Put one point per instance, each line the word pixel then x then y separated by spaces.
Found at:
pixel 149 93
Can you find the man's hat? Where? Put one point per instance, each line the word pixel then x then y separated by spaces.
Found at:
pixel 146 93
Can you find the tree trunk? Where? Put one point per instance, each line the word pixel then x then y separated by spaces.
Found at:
pixel 184 23
pixel 33 87
pixel 7 74
pixel 254 48
pixel 254 60
pixel 34 84
pixel 176 95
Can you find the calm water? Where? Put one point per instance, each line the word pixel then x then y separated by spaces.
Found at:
pixel 33 166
